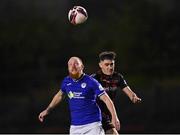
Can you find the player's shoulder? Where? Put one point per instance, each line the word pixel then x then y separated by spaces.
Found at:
pixel 118 74
pixel 66 79
pixel 96 74
pixel 90 78
pixel 93 75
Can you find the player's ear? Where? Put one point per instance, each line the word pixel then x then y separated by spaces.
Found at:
pixel 82 66
pixel 100 64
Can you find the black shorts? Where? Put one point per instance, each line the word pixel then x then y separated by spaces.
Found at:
pixel 107 124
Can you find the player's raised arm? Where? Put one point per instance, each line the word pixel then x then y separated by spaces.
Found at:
pixel 55 101
pixel 105 98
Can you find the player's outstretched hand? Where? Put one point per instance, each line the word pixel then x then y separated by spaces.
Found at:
pixel 42 115
pixel 136 99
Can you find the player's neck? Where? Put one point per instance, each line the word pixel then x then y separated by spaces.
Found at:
pixel 79 77
pixel 105 73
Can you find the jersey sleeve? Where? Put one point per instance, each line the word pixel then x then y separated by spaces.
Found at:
pixel 62 87
pixel 122 82
pixel 97 87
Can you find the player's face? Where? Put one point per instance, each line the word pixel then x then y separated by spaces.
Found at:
pixel 75 68
pixel 107 66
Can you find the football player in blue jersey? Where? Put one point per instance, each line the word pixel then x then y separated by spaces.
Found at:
pixel 82 91
pixel 111 81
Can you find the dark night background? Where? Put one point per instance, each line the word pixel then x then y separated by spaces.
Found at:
pixel 36 40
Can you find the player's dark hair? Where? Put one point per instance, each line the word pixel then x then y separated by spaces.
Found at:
pixel 107 55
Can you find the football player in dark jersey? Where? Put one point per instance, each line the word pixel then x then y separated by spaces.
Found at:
pixel 111 81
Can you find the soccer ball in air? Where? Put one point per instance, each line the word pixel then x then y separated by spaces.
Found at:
pixel 77 15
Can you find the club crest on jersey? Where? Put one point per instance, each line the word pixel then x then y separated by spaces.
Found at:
pixel 83 85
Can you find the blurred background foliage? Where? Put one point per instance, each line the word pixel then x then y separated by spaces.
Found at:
pixel 36 40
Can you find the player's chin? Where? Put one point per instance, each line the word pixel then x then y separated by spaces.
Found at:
pixel 110 73
pixel 74 75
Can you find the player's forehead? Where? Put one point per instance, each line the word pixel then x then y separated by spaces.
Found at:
pixel 73 60
pixel 107 61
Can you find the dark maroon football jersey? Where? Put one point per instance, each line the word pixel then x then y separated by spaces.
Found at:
pixel 111 84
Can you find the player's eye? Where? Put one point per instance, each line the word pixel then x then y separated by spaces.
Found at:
pixel 111 64
pixel 107 64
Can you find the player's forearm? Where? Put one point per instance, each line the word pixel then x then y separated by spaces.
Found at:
pixel 110 106
pixel 55 101
pixel 129 93
pixel 132 96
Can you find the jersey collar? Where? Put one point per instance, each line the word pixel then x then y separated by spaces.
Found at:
pixel 77 80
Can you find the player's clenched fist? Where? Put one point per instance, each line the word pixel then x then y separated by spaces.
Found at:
pixel 42 115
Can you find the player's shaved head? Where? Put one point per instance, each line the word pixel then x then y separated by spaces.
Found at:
pixel 75 59
pixel 75 67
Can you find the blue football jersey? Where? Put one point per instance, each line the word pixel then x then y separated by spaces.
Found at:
pixel 82 95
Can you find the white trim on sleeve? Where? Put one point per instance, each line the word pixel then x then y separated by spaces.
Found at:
pixel 101 94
